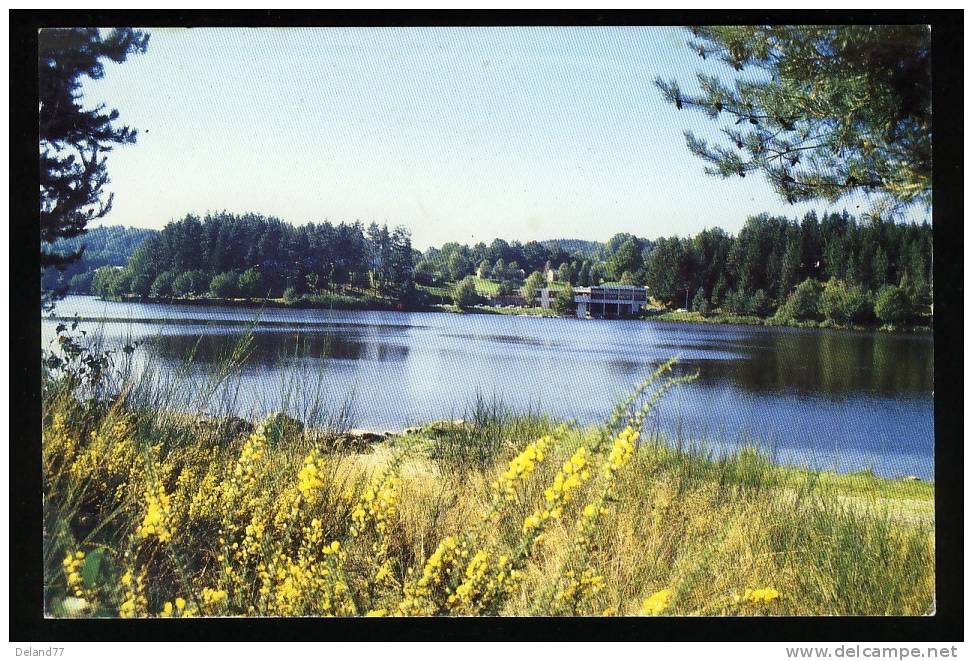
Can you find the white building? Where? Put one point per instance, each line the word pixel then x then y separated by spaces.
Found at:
pixel 546 296
pixel 610 300
pixel 601 301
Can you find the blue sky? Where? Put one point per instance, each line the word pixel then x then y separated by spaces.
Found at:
pixel 459 134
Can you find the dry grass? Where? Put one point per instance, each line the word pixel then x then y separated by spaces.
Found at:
pixel 467 520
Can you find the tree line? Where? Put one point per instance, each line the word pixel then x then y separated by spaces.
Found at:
pixel 778 266
pixel 109 245
pixel 250 255
pixel 807 268
pixel 225 255
pixel 757 272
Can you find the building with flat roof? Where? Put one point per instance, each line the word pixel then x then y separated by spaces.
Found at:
pixel 609 300
pixel 601 301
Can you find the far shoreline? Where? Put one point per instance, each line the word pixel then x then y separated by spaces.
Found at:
pixel 666 316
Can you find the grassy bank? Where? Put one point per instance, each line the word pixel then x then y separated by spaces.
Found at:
pixel 438 298
pixel 517 310
pixel 148 513
pixel 513 310
pixel 339 301
pixel 750 320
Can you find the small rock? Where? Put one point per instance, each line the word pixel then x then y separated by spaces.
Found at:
pixel 361 440
pixel 364 435
pixel 279 425
pixel 443 426
pixel 238 426
pixel 225 429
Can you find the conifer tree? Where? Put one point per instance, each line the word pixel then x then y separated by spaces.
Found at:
pixel 821 111
pixel 73 139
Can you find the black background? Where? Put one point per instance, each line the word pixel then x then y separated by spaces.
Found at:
pixel 26 573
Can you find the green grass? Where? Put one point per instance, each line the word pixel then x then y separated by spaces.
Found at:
pixel 705 529
pixel 347 299
pixel 443 291
pixel 720 317
pixel 486 287
pixel 716 318
pixel 516 310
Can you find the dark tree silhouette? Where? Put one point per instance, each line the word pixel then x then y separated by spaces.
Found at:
pixel 74 140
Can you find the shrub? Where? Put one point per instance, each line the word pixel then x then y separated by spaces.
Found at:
pixel 758 305
pixel 803 303
pixel 737 302
pixel 563 303
pixel 483 270
pixel 251 283
pixel 534 282
pixel 141 284
pixel 424 273
pixel 505 288
pixel 111 282
pixel 101 279
pixel 191 282
pixel 700 304
pixel 225 285
pixel 81 283
pixel 893 305
pixel 152 515
pixel 291 295
pixel 162 285
pixel 464 293
pixel 844 303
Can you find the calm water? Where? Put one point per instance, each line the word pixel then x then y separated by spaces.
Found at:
pixel 830 399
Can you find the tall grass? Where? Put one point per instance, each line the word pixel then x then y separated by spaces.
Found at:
pixel 153 509
pixel 487 431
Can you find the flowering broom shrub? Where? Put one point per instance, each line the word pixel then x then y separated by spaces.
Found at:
pixel 144 520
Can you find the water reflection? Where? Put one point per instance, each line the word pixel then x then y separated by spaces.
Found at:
pixel 268 348
pixel 828 363
pixel 826 398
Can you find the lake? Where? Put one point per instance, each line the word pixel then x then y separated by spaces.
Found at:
pixel 823 398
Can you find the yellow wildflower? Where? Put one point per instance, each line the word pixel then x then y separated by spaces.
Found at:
pixel 758 596
pixel 657 603
pixel 310 477
pixel 213 597
pixel 157 520
pixel 622 451
pixel 135 602
pixel 72 570
pixel 574 473
pixel 578 591
pixel 522 466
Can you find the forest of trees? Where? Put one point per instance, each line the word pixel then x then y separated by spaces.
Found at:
pixel 757 271
pixel 833 267
pixel 228 256
pixel 753 273
pixel 110 245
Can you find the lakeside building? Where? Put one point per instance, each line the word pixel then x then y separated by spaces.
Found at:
pixel 601 301
pixel 546 296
